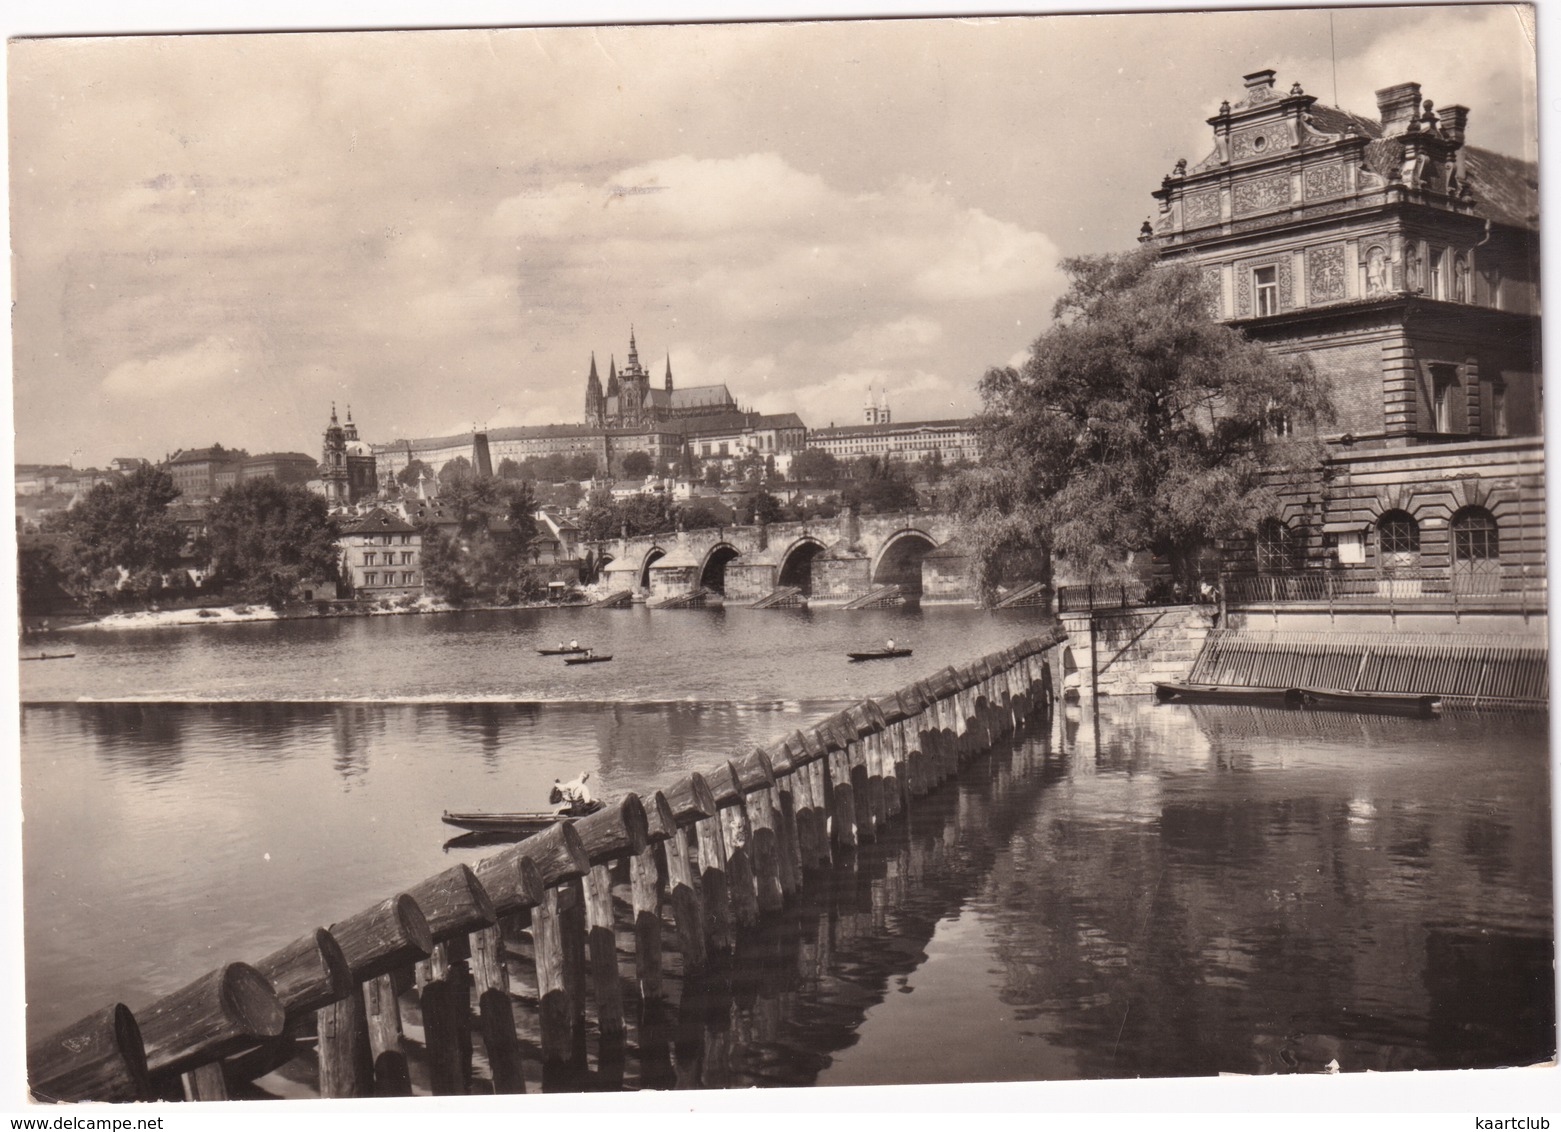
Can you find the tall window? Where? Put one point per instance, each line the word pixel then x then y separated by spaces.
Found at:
pixel 1475 536
pixel 1438 273
pixel 1398 538
pixel 1265 280
pixel 1498 425
pixel 1444 387
pixel 1273 547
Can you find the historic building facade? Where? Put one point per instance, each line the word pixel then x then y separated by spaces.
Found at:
pixel 348 472
pixel 381 557
pixel 629 402
pixel 1404 262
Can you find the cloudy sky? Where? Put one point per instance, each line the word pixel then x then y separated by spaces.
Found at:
pixel 215 236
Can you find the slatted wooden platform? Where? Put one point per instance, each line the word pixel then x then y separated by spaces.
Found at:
pixel 1465 669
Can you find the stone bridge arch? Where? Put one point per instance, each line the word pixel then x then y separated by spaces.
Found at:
pixel 642 576
pixel 796 563
pixel 898 561
pixel 712 569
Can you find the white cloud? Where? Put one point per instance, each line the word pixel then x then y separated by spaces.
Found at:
pixel 206 366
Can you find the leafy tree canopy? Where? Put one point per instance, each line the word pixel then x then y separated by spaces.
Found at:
pixel 814 465
pixel 637 465
pixel 267 538
pixel 484 558
pixel 1139 422
pixel 122 523
pixel 412 474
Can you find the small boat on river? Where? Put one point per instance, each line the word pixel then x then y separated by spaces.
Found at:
pixel 563 651
pixel 519 824
pixel 879 654
pixel 1324 699
pixel 51 656
pixel 588 658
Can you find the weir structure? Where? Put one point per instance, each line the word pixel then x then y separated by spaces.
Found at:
pixel 568 936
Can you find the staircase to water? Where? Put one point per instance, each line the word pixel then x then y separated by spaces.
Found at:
pixel 881 598
pixel 784 597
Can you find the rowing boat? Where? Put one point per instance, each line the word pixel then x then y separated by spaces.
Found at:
pixel 522 824
pixel 562 652
pixel 1325 699
pixel 51 656
pixel 587 659
pixel 879 654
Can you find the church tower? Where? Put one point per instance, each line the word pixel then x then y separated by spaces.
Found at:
pixel 333 462
pixel 883 404
pixel 595 401
pixel 669 373
pixel 613 388
pixel 349 430
pixel 869 410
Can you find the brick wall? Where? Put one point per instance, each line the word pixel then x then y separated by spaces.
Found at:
pixel 1135 648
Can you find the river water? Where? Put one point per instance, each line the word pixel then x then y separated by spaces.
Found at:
pixel 1150 890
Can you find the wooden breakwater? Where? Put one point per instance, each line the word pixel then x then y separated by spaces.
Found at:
pixel 1465 669
pixel 586 918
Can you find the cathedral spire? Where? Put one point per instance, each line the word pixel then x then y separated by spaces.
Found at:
pixel 669 373
pixel 612 377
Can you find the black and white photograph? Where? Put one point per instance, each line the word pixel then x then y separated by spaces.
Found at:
pixel 576 553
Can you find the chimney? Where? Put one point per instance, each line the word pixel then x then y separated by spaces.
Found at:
pixel 1398 107
pixel 1258 80
pixel 1455 120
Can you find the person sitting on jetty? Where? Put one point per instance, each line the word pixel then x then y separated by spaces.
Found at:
pixel 890 644
pixel 571 795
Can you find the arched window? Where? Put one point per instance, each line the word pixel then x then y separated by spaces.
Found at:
pixel 1398 538
pixel 1475 536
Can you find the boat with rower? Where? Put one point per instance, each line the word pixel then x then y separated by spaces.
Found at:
pixel 516 824
pixel 588 658
pixel 563 650
pixel 879 654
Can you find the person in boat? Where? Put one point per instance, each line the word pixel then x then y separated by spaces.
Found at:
pixel 890 644
pixel 574 644
pixel 571 795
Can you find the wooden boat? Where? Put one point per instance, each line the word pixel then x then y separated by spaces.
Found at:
pixel 1316 699
pixel 1227 694
pixel 522 824
pixel 51 656
pixel 587 659
pixel 562 652
pixel 879 654
pixel 1392 703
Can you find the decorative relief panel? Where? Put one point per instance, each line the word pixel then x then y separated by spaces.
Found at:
pixel 1201 208
pixel 1325 273
pixel 1323 181
pixel 1261 194
pixel 1261 141
pixel 1211 281
pixel 1244 271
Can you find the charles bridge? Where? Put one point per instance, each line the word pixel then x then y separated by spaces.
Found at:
pixel 829 560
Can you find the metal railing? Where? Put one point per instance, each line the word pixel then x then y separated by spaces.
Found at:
pixel 1390 586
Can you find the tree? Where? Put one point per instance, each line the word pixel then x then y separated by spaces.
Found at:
pixel 120 529
pixel 1138 423
pixel 267 538
pixel 637 465
pixel 581 466
pixel 453 470
pixel 485 557
pixel 509 470
pixel 412 474
pixel 761 507
pixel 814 465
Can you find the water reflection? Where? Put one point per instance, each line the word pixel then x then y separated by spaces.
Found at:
pixel 1154 890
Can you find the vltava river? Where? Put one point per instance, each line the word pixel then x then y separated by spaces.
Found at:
pixel 1169 890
